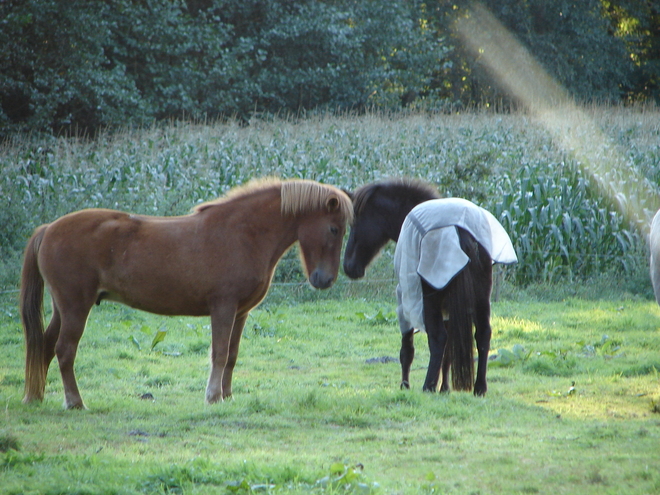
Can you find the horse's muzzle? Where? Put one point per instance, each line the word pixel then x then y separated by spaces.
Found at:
pixel 321 280
pixel 352 269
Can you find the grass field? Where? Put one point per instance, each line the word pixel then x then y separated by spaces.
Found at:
pixel 573 406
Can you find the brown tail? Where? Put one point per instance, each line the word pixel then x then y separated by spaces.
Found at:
pixel 31 303
pixel 461 305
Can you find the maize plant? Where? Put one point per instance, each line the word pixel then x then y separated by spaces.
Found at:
pixel 560 228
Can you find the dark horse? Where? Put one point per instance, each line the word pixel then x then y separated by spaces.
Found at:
pixel 448 313
pixel 217 261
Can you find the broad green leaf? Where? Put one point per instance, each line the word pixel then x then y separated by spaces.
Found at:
pixel 159 337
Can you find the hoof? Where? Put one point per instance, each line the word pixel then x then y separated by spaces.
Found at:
pixel 405 385
pixel 479 391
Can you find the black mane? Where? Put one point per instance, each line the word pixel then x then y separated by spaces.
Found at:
pixel 410 190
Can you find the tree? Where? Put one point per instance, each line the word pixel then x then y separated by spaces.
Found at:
pixel 82 65
pixel 571 39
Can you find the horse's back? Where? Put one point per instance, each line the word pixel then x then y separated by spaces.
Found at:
pixel 76 237
pixel 145 262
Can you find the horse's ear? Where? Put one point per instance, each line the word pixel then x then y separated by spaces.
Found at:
pixel 332 204
pixel 348 193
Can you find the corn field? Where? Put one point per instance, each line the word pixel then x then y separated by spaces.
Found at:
pixel 563 223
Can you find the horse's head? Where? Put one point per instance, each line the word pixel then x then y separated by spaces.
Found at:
pixel 369 232
pixel 320 236
pixel 380 209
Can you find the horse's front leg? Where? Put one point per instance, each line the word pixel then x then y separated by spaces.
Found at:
pixel 234 343
pixel 222 324
pixel 406 356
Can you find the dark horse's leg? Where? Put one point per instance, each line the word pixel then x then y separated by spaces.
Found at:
pixel 406 356
pixel 483 276
pixel 437 335
pixel 446 364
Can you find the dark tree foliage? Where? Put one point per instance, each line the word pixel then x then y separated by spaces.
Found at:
pixel 70 66
pixel 637 22
pixel 573 40
pixel 80 65
pixel 54 70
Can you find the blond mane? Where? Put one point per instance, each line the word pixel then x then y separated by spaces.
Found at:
pixel 298 196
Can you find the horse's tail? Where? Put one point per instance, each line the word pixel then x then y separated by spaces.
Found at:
pixel 31 304
pixel 460 303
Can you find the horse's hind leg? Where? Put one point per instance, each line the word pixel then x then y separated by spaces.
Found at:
pixel 482 336
pixel 234 343
pixel 72 326
pixel 446 365
pixel 51 335
pixel 437 344
pixel 406 356
pixel 483 329
pixel 436 333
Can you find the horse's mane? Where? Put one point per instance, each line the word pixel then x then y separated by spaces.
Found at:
pixel 298 196
pixel 403 187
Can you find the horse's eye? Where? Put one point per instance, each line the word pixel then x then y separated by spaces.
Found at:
pixel 334 230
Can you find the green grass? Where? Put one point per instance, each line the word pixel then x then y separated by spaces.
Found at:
pixel 314 412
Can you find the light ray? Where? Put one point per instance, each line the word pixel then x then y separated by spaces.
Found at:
pixel 571 127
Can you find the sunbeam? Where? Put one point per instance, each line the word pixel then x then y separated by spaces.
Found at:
pixel 571 127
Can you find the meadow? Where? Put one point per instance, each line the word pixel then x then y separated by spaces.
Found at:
pixel 573 406
pixel 574 394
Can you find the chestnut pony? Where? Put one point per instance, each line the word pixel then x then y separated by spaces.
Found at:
pixel 217 261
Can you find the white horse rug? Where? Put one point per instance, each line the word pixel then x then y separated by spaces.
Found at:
pixel 429 247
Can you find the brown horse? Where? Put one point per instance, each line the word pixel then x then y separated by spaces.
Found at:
pixel 217 261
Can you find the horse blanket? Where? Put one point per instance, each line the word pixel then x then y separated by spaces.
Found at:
pixel 429 247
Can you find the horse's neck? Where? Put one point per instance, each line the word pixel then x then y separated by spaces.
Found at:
pixel 273 232
pixel 398 217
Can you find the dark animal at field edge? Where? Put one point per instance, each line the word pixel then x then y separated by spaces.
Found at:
pixel 218 261
pixel 449 313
